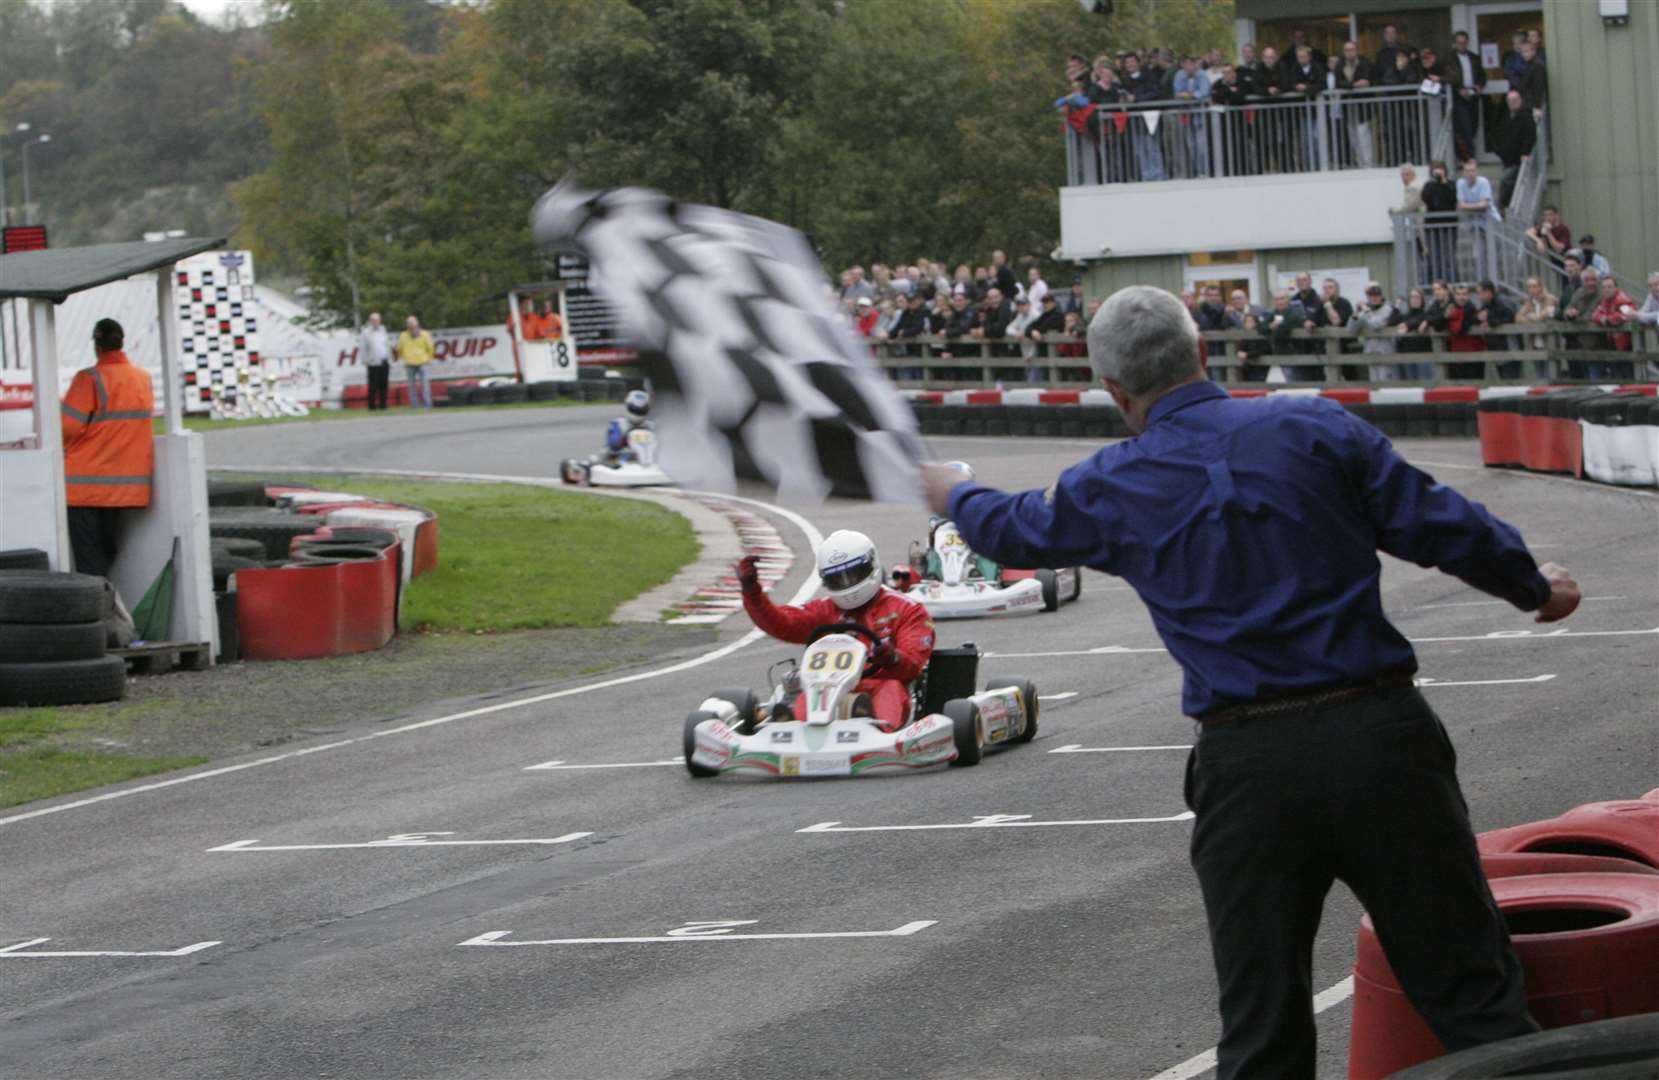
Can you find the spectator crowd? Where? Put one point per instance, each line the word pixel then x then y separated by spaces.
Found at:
pixel 1148 115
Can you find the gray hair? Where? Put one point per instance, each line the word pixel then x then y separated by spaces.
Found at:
pixel 1144 340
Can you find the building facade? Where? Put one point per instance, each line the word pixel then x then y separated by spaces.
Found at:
pixel 1248 196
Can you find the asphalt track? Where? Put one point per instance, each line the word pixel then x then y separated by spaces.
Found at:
pixel 1050 950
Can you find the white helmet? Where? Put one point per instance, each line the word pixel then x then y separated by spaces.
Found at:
pixel 962 467
pixel 638 403
pixel 849 568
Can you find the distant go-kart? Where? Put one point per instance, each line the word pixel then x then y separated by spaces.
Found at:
pixel 634 467
pixel 733 732
pixel 961 591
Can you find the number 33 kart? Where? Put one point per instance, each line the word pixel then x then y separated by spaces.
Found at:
pixel 732 732
pixel 952 582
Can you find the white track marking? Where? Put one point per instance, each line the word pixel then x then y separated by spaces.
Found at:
pixel 991 821
pixel 1079 748
pixel 561 764
pixel 493 937
pixel 1437 683
pixel 1505 603
pixel 401 840
pixel 808 587
pixel 1581 485
pixel 1199 1064
pixel 15 952
pixel 1495 635
pixel 1057 697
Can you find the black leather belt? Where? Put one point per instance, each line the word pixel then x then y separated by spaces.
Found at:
pixel 1312 698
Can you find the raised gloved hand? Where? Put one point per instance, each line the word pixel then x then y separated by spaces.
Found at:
pixel 883 655
pixel 748 573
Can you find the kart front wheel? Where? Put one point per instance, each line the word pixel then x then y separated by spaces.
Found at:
pixel 744 701
pixel 1050 582
pixel 1028 699
pixel 691 722
pixel 968 729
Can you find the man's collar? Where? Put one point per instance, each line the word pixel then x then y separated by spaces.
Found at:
pixel 1181 397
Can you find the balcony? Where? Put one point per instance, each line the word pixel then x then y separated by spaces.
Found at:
pixel 1171 177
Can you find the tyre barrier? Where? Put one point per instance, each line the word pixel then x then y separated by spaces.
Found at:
pixel 1623 1049
pixel 275 529
pixel 1091 421
pixel 365 536
pixel 1588 945
pixel 597 387
pixel 24 559
pixel 236 493
pixel 52 640
pixel 1522 863
pixel 309 609
pixel 1623 829
pixel 1610 437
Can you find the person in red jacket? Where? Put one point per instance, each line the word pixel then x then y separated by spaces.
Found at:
pixel 851 571
pixel 108 448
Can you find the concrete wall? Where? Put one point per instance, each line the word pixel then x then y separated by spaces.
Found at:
pixel 1604 120
pixel 1103 277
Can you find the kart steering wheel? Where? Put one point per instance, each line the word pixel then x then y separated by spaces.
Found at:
pixel 844 628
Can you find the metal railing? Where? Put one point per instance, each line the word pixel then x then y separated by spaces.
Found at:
pixel 1528 196
pixel 1377 127
pixel 1520 353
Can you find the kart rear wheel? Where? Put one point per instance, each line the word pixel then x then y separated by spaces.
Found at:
pixel 573 471
pixel 969 730
pixel 748 708
pixel 1028 698
pixel 1076 583
pixel 690 740
pixel 1050 582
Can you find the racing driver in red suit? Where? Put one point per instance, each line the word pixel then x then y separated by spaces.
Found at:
pixel 850 570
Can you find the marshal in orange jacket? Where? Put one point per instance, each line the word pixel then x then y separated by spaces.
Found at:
pixel 108 440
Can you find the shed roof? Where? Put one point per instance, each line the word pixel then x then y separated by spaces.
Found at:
pixel 56 273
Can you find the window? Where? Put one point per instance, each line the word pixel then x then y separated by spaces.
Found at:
pixel 1417 28
pixel 1324 32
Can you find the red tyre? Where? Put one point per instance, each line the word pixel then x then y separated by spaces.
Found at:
pixel 1626 829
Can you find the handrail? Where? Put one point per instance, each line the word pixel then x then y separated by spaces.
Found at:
pixel 977 360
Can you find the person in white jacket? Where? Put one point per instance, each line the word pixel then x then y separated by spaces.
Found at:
pixel 1376 314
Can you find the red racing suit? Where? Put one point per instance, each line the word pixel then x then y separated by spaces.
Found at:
pixel 890 615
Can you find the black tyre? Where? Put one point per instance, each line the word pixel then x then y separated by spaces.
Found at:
pixel 1626 1048
pixel 748 706
pixel 315 552
pixel 1028 698
pixel 42 596
pixel 66 682
pixel 460 395
pixel 1051 589
pixel 238 546
pixel 690 744
pixel 360 536
pixel 573 471
pixel 38 642
pixel 24 559
pixel 1076 584
pixel 275 529
pixel 226 565
pixel 236 493
pixel 512 393
pixel 969 731
pixel 544 391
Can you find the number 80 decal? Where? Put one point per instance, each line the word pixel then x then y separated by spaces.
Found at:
pixel 842 660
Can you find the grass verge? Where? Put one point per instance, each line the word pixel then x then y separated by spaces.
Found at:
pixel 202 423
pixel 33 764
pixel 515 557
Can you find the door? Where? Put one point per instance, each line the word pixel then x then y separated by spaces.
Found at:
pixel 1227 270
pixel 1492 32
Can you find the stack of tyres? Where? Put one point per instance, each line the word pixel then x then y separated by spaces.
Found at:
pixel 1621 439
pixel 1498 423
pixel 24 559
pixel 52 640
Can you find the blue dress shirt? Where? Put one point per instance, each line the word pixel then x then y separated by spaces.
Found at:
pixel 1250 528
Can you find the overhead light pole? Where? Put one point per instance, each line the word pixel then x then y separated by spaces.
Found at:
pixel 43 137
pixel 3 134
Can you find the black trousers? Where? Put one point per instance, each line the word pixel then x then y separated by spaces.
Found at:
pixel 1364 792
pixel 92 537
pixel 379 376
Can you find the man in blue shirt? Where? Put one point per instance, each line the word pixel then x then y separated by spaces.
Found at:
pixel 1250 529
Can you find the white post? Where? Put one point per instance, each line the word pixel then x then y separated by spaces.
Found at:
pixel 49 422
pixel 172 375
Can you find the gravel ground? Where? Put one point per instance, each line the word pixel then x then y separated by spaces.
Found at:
pixel 238 707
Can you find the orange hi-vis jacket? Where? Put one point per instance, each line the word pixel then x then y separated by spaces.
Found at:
pixel 108 440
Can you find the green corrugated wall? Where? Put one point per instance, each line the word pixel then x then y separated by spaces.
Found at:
pixel 1604 120
pixel 1107 276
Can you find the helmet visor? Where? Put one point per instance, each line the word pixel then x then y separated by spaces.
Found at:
pixel 844 576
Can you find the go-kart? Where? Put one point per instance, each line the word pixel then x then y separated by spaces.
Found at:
pixel 635 466
pixel 733 732
pixel 962 591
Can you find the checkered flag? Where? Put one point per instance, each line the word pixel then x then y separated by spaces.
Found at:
pixel 753 369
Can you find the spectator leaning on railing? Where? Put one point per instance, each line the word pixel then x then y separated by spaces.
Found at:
pixel 1539 307
pixel 1614 309
pixel 1288 315
pixel 1211 314
pixel 1495 311
pixel 1376 315
pixel 1415 321
pixel 1649 314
